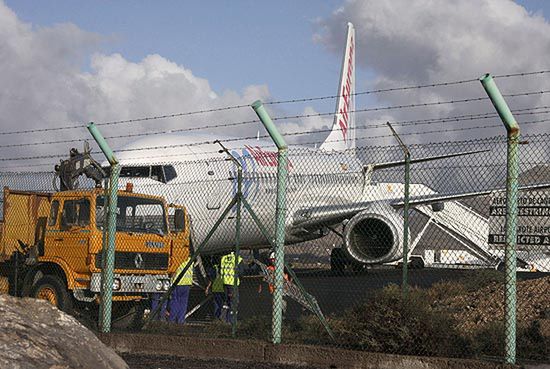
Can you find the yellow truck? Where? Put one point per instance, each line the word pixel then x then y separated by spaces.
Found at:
pixel 51 246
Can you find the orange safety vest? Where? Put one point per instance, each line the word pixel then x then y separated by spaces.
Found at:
pixel 270 286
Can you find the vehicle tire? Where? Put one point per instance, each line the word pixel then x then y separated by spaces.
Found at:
pixel 416 263
pixel 338 260
pixel 52 288
pixel 128 316
pixel 357 267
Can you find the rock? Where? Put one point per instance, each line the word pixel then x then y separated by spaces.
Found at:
pixel 35 334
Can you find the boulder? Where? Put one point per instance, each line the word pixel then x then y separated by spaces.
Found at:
pixel 35 334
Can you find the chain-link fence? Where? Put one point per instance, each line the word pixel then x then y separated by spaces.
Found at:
pixel 196 218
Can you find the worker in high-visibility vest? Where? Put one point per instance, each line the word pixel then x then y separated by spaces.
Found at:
pixel 180 295
pixel 215 285
pixel 227 265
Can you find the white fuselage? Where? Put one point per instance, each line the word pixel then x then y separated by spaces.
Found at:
pixel 206 182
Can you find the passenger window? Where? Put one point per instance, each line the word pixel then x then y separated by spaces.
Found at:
pixel 179 220
pixel 75 213
pixel 54 209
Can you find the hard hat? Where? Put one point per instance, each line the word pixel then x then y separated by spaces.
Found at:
pixel 272 255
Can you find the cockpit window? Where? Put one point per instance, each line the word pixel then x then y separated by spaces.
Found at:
pixel 157 173
pixel 169 173
pixel 135 172
pixel 160 173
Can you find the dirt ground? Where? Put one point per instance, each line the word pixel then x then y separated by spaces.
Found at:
pixel 485 305
pixel 172 362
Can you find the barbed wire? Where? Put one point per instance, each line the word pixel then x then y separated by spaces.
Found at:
pixel 443 130
pixel 521 74
pixel 533 137
pixel 377 91
pixel 403 88
pixel 266 136
pixel 403 123
pixel 288 134
pixel 233 107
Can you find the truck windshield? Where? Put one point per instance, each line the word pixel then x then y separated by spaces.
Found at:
pixel 134 214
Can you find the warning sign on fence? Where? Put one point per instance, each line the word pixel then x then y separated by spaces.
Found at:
pixel 533 229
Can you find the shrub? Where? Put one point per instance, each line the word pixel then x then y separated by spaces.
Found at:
pixel 389 323
pixel 531 344
pixel 443 290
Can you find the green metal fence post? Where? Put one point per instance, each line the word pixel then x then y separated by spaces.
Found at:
pixel 405 282
pixel 104 237
pixel 235 304
pixel 109 254
pixel 513 133
pixel 280 215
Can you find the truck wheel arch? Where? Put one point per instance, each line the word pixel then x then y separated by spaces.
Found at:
pixel 44 269
pixel 53 289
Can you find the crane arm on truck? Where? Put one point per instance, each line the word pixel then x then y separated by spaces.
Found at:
pixel 78 163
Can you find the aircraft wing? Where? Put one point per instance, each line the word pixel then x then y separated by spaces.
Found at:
pixel 391 164
pixel 433 199
pixel 327 215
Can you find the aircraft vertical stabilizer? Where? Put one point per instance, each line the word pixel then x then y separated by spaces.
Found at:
pixel 342 136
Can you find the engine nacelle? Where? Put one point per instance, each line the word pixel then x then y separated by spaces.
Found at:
pixel 374 237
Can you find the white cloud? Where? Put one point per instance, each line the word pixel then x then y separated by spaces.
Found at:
pixel 43 85
pixel 406 42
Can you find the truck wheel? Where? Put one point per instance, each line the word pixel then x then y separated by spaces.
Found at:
pixel 51 288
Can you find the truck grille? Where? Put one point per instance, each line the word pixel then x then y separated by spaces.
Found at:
pixel 138 260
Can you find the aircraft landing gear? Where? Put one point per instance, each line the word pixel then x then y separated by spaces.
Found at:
pixel 340 262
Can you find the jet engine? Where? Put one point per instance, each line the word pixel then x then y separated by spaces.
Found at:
pixel 374 237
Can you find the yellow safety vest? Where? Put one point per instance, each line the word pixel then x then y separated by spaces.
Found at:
pixel 228 269
pixel 187 279
pixel 217 284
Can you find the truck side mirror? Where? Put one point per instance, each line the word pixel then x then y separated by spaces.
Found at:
pixel 179 220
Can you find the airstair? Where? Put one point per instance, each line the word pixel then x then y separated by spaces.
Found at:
pixel 465 225
pixel 471 230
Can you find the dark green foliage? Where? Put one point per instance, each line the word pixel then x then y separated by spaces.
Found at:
pixel 390 323
pixel 489 341
pixel 531 344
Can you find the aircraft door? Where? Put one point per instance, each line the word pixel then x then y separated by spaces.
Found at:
pixel 214 186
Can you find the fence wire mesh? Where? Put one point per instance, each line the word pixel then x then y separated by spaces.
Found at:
pixel 343 252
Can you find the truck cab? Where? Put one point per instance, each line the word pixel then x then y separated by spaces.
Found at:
pixel 55 241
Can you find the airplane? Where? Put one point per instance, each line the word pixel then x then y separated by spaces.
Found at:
pixel 328 187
